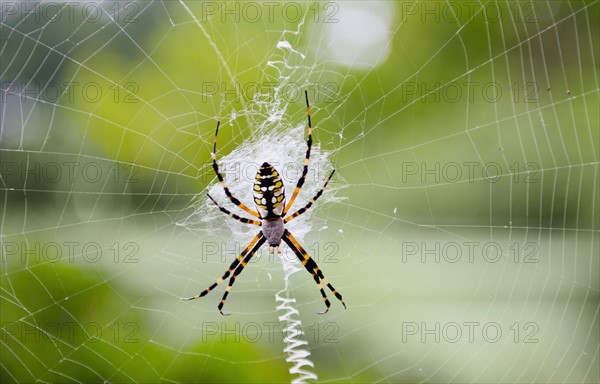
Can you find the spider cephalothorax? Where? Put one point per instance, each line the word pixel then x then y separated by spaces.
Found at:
pixel 270 201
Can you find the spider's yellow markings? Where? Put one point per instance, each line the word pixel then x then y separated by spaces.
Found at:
pixel 269 192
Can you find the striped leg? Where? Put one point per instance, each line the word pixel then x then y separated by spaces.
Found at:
pixel 258 238
pixel 239 270
pixel 312 268
pixel 220 177
pixel 311 202
pixel 305 170
pixel 238 218
pixel 311 271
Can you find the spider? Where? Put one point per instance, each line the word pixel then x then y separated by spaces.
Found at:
pixel 270 201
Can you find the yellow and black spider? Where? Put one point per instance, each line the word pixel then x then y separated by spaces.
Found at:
pixel 269 197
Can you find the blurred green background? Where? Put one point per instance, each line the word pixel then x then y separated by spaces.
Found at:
pixel 465 136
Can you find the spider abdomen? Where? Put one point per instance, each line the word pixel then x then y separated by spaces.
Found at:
pixel 269 192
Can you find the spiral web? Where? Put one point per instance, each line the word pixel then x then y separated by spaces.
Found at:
pixel 461 226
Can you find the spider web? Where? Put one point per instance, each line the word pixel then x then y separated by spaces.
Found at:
pixel 461 226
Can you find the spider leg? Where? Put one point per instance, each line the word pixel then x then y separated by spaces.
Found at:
pixel 258 238
pixel 222 181
pixel 239 270
pixel 305 170
pixel 311 202
pixel 312 268
pixel 238 218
